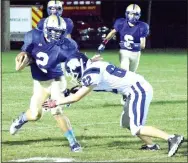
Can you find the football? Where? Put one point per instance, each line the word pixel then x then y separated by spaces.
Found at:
pixel 22 60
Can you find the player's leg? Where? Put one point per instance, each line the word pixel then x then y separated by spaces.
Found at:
pixel 125 123
pixel 139 104
pixel 124 64
pixel 134 61
pixel 62 119
pixel 35 111
pixel 124 59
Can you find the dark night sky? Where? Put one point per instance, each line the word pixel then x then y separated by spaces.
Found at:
pixel 168 26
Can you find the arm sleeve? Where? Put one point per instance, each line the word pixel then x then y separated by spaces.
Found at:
pixel 144 30
pixel 70 25
pixel 117 24
pixel 28 42
pixel 40 24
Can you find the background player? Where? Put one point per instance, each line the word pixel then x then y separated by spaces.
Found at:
pixel 133 35
pixel 56 8
pixel 101 75
pixel 48 48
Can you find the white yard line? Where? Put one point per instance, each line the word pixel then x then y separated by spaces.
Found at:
pixel 54 159
pixel 57 159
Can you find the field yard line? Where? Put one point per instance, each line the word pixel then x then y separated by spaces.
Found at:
pixel 72 160
pixel 54 159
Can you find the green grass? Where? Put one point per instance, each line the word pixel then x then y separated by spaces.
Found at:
pixel 95 118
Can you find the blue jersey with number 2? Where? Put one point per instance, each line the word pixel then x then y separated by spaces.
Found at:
pixel 47 56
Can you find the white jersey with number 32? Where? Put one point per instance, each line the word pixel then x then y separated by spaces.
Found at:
pixel 107 77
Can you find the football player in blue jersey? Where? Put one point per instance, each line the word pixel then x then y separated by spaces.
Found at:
pixel 133 35
pixel 55 7
pixel 47 48
pixel 103 76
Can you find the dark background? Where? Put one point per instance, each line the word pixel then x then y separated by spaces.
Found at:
pixel 168 25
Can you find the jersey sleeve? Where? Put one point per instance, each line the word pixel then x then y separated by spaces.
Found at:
pixel 68 47
pixel 91 77
pixel 144 30
pixel 28 42
pixel 118 24
pixel 70 25
pixel 40 24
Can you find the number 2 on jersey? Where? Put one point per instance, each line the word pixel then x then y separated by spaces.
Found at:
pixel 42 60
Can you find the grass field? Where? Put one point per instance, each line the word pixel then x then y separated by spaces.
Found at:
pixel 95 118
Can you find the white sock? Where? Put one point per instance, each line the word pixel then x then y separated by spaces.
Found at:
pixel 170 136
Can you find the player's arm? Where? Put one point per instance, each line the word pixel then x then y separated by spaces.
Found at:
pixel 70 26
pixel 83 91
pixel 105 41
pixel 23 59
pixel 117 26
pixel 144 33
pixel 142 42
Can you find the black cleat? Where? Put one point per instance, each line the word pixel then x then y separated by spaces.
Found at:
pixel 174 144
pixel 155 147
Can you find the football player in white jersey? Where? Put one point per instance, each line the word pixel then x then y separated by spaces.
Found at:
pixel 133 35
pixel 104 76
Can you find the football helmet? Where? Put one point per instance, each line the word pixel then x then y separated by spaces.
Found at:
pixel 54 28
pixel 75 66
pixel 54 7
pixel 133 13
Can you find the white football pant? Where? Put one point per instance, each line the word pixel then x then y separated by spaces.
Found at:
pixel 129 60
pixel 41 91
pixel 135 113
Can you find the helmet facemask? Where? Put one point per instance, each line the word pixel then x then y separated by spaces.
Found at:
pixel 133 13
pixel 54 28
pixel 54 8
pixel 75 69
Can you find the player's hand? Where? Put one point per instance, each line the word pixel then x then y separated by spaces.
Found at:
pixel 75 89
pixel 49 104
pixel 101 47
pixel 96 57
pixel 22 60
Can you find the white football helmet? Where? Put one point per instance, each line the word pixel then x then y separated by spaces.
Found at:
pixel 133 13
pixel 75 66
pixel 54 28
pixel 54 7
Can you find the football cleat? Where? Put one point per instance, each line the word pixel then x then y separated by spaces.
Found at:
pixel 125 99
pixel 76 147
pixel 174 144
pixel 155 147
pixel 16 125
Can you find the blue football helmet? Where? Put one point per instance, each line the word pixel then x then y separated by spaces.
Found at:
pixel 54 28
pixel 75 66
pixel 54 7
pixel 133 13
